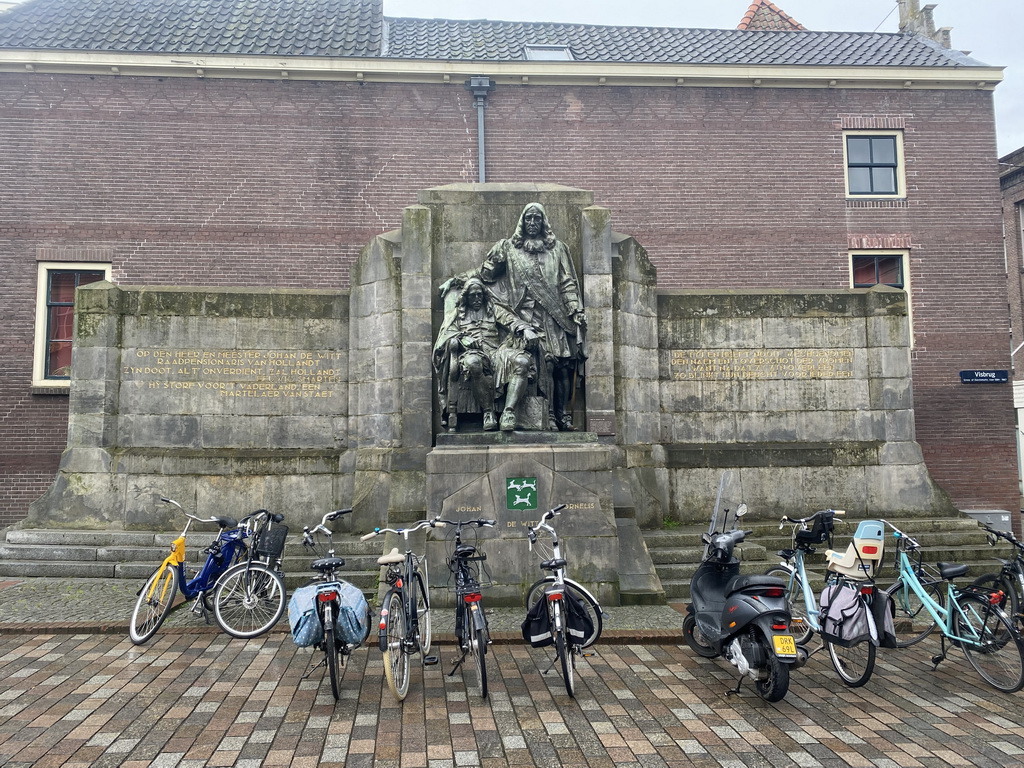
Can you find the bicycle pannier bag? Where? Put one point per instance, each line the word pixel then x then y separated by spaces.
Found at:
pixel 302 618
pixel 845 619
pixel 353 615
pixel 882 612
pixel 578 620
pixel 537 626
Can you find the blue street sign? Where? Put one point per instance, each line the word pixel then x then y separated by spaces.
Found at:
pixel 984 377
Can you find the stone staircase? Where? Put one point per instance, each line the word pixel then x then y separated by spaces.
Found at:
pixel 677 551
pixel 134 555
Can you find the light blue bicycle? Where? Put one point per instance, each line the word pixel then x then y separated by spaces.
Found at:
pixel 971 619
pixel 853 660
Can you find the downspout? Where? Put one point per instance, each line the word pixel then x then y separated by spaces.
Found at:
pixel 480 87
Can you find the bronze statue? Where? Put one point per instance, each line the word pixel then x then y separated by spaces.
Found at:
pixel 464 351
pixel 532 274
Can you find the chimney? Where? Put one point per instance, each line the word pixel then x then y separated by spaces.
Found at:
pixel 915 20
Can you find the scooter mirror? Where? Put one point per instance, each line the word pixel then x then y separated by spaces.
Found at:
pixel 741 510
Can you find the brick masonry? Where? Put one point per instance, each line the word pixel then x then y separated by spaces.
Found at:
pixel 265 183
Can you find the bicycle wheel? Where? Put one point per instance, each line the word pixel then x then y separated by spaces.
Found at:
pixel 563 649
pixel 799 623
pixel 1001 582
pixel 990 642
pixel 249 600
pixel 422 614
pixel 396 660
pixel 854 664
pixel 330 650
pixel 911 619
pixel 154 603
pixel 696 640
pixel 477 639
pixel 591 606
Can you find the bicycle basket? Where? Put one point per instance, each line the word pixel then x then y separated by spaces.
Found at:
pixel 270 543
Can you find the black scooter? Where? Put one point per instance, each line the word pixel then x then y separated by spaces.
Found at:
pixel 744 618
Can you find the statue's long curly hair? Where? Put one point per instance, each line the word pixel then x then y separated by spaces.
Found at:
pixel 544 243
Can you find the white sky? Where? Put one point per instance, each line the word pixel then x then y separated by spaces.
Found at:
pixel 990 29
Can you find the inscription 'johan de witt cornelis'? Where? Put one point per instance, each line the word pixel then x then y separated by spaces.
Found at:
pixel 257 373
pixel 729 364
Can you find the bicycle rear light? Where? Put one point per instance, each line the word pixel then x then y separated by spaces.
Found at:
pixel 867 590
pixel 398 582
pixel 383 619
pixel 552 596
pixel 996 598
pixel 326 597
pixel 473 597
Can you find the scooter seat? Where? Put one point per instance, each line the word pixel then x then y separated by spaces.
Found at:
pixel 745 581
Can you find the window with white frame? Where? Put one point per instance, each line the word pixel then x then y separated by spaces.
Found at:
pixel 55 318
pixel 874 164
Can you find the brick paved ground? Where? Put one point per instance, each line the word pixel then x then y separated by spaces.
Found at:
pixel 189 701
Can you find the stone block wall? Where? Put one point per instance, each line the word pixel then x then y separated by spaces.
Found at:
pixel 808 394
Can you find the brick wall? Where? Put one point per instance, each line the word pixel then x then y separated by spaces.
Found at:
pixel 250 183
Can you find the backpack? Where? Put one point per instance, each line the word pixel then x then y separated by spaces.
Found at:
pixel 845 619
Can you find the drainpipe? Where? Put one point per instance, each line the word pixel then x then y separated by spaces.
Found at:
pixel 480 87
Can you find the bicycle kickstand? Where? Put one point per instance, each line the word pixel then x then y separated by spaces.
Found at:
pixel 941 656
pixel 199 608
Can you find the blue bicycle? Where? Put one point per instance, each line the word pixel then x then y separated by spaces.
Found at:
pixel 157 596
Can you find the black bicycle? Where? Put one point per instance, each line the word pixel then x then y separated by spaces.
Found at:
pixel 329 613
pixel 250 596
pixel 1010 579
pixel 405 612
pixel 471 633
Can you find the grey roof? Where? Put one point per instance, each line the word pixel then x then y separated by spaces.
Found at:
pixel 271 27
pixel 504 41
pixel 357 28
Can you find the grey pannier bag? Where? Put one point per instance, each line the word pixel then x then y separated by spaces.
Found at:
pixel 845 618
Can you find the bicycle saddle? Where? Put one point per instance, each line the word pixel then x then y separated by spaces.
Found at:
pixel 465 550
pixel 951 570
pixel 227 522
pixel 394 556
pixel 552 565
pixel 327 564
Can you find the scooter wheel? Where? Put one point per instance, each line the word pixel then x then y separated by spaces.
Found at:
pixel 696 640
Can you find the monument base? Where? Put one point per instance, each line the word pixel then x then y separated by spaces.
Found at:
pixel 515 483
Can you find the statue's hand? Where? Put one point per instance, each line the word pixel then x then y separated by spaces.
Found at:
pixel 468 342
pixel 580 318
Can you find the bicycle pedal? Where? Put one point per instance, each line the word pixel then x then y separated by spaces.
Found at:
pixel 429 661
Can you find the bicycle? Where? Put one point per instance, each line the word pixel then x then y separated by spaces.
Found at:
pixel 971 620
pixel 471 633
pixel 156 598
pixel 1010 579
pixel 329 613
pixel 558 624
pixel 853 659
pixel 249 597
pixel 405 613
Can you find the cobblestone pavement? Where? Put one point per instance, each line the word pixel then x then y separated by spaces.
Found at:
pixel 190 701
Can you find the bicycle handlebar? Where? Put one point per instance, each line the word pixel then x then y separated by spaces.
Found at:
pixel 481 523
pixel 403 531
pixel 910 542
pixel 189 515
pixel 805 520
pixel 307 532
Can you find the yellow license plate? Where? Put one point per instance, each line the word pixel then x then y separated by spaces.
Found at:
pixel 785 645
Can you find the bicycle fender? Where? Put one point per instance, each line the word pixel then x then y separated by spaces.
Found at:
pixel 479 620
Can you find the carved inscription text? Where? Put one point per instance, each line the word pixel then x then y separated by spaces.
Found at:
pixel 748 364
pixel 255 373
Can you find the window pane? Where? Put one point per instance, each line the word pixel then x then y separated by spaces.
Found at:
pixel 860 180
pixel 62 323
pixel 883 180
pixel 883 150
pixel 890 271
pixel 59 363
pixel 858 149
pixel 864 272
pixel 62 287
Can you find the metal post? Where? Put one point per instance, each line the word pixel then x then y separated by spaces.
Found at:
pixel 480 87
